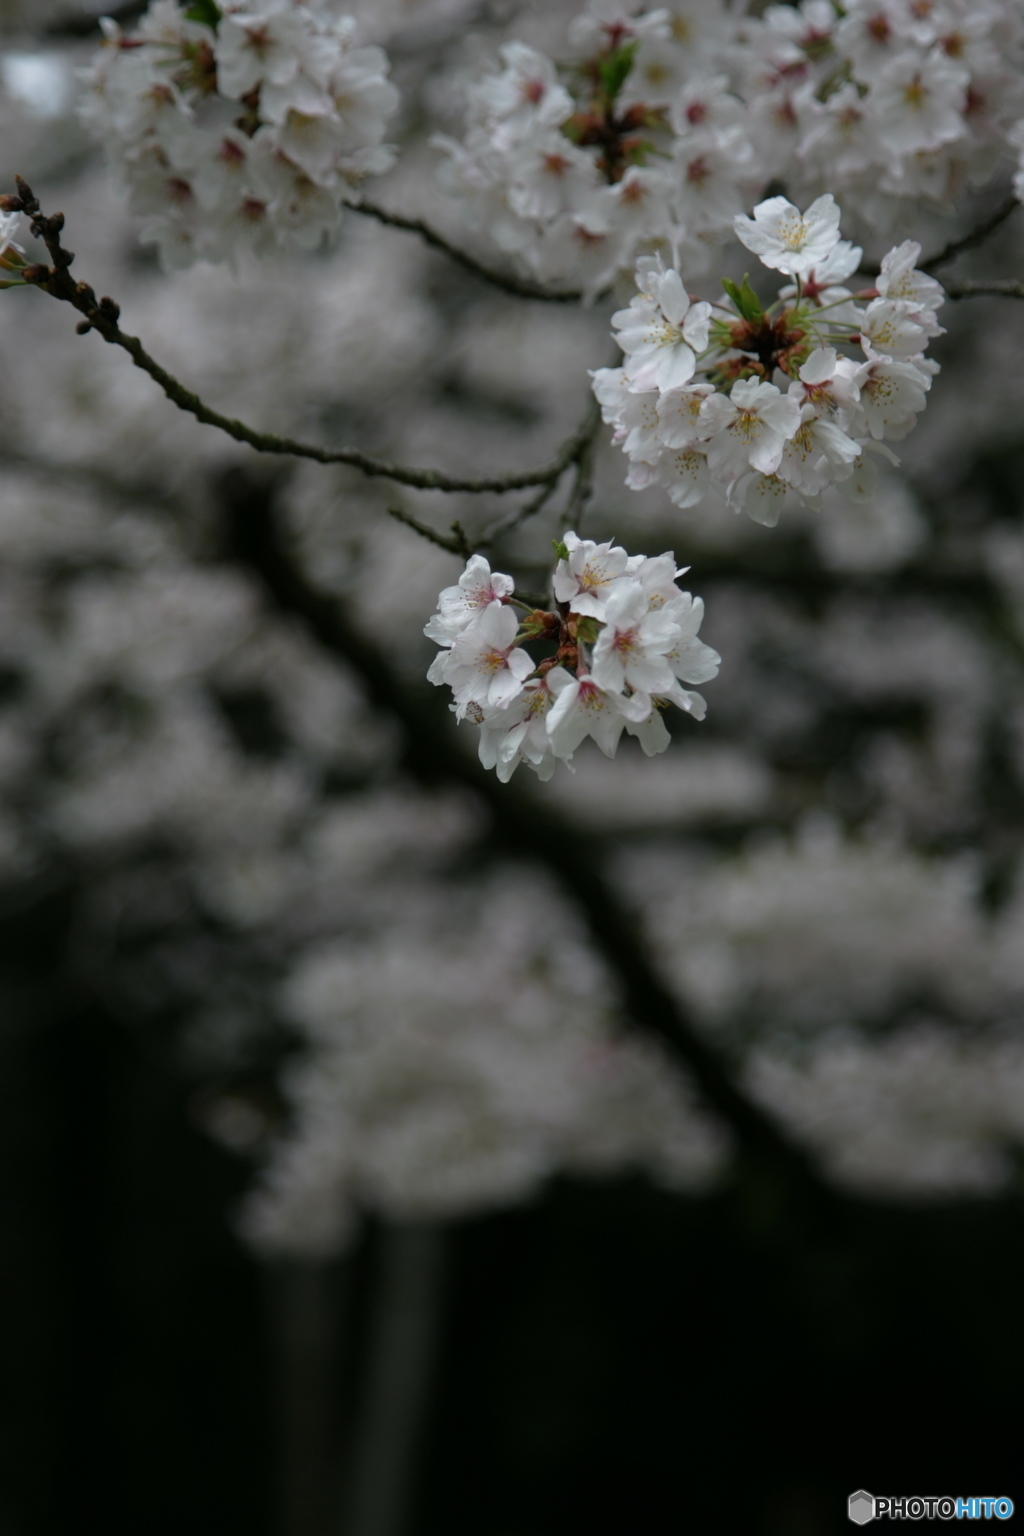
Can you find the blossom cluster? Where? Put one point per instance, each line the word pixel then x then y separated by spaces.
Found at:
pixel 665 123
pixel 760 401
pixel 621 641
pixel 240 125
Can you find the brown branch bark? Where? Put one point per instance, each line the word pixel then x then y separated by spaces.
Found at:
pixel 103 316
pixel 518 287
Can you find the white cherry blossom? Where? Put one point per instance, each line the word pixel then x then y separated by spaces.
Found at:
pixel 661 332
pixel 788 240
pixel 461 605
pixel 484 666
pixel 747 429
pixel 585 580
pixel 632 646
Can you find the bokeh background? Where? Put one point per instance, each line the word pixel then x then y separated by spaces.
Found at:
pixel 337 1196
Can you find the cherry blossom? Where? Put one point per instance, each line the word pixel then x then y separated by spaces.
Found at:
pixel 772 407
pixel 661 332
pixel 788 240
pixel 624 638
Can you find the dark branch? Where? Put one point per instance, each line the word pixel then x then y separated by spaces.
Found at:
pixel 102 316
pixel 520 287
pixel 457 544
pixel 967 242
pixel 1001 288
pixel 523 826
pixel 973 237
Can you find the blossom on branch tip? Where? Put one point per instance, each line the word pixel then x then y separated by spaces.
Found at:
pixel 771 406
pixel 624 639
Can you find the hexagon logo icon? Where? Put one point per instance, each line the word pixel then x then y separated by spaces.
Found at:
pixel 862 1507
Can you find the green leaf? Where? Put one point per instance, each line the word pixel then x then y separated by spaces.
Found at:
pixel 588 629
pixel 208 12
pixel 614 69
pixel 745 299
pixel 561 549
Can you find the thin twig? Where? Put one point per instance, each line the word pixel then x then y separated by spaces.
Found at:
pixel 102 316
pixel 582 487
pixel 521 287
pixel 457 544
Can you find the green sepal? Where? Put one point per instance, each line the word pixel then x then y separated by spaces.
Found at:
pixel 614 70
pixel 561 549
pixel 745 299
pixel 207 12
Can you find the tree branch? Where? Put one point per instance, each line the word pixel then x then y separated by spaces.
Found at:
pixel 102 316
pixel 520 287
pixel 967 242
pixel 973 237
pixel 525 827
pixel 1001 288
pixel 457 544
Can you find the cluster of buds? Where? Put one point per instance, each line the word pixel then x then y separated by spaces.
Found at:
pixel 240 125
pixel 760 400
pixel 612 653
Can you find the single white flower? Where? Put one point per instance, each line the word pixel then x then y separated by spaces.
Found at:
pixel 661 332
pixel 678 412
pixel 748 429
pixel 893 328
pixel 788 240
pixel 827 384
pixel 484 665
pixel 684 473
pixel 818 454
pixel 460 606
pixel 253 48
pixel 583 709
pixel 518 733
pixel 585 580
pixel 891 395
pixel 900 279
pixel 918 102
pixel 631 648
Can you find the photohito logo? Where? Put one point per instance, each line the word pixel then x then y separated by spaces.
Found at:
pixel 865 1506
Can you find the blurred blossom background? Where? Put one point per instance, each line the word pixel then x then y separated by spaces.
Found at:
pixel 339 1196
